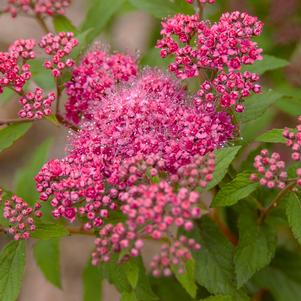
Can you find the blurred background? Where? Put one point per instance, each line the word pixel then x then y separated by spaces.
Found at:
pixel 136 32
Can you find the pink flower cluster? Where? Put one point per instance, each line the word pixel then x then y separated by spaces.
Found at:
pixel 271 170
pixel 174 256
pixel 40 7
pixel 93 78
pixel 36 105
pixel 294 140
pixel 59 47
pixel 20 217
pixel 202 1
pixel 227 90
pixel 226 43
pixel 14 69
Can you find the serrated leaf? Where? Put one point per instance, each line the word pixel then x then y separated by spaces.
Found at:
pixel 187 279
pixel 11 133
pixel 239 188
pixel 47 256
pixel 256 248
pixel 272 136
pixel 128 296
pixel 256 105
pixel 293 212
pixel 283 277
pixel 12 265
pixel 132 272
pixel 98 15
pixel 92 282
pixel 267 64
pixel 214 262
pixel 45 231
pixel 25 186
pixel 63 24
pixel 224 157
pixel 218 298
pixel 163 8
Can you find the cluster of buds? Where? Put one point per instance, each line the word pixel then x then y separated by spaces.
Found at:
pixel 294 141
pixel 227 90
pixel 39 7
pixel 224 44
pixel 59 47
pixel 20 217
pixel 116 239
pixel 271 170
pixel 36 105
pixel 93 78
pixel 174 256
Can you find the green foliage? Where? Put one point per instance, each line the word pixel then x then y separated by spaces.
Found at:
pixel 128 296
pixel 256 248
pixel 239 188
pixel 224 158
pixel 41 76
pixel 218 298
pixel 11 133
pixel 272 136
pixel 45 231
pixel 63 24
pixel 163 8
pixel 47 256
pixel 12 265
pixel 293 212
pixel 25 186
pixel 92 282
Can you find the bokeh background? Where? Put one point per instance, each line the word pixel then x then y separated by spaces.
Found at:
pixel 135 32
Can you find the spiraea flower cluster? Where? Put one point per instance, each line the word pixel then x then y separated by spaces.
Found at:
pixel 58 47
pixel 16 73
pixel 174 256
pixel 36 7
pixel 20 217
pixel 93 78
pixel 294 140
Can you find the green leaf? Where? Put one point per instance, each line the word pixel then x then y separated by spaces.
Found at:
pixel 224 157
pixel 132 272
pixel 256 248
pixel 6 95
pixel 41 76
pixel 47 256
pixel 126 296
pixel 272 136
pixel 218 298
pixel 214 262
pixel 63 24
pixel 12 265
pixel 283 277
pixel 98 15
pixel 187 279
pixel 92 282
pixel 293 212
pixel 163 8
pixel 11 133
pixel 239 188
pixel 152 58
pixel 256 105
pixel 25 183
pixel 267 64
pixel 45 231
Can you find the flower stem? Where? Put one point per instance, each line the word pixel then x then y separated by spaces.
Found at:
pixel 42 23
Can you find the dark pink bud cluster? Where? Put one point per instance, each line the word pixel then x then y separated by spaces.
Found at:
pixel 36 105
pixel 224 44
pixel 271 170
pixel 116 239
pixel 93 78
pixel 41 7
pixel 198 173
pixel 227 90
pixel 20 217
pixel 174 256
pixel 294 140
pixel 153 209
pixel 59 47
pixel 14 70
